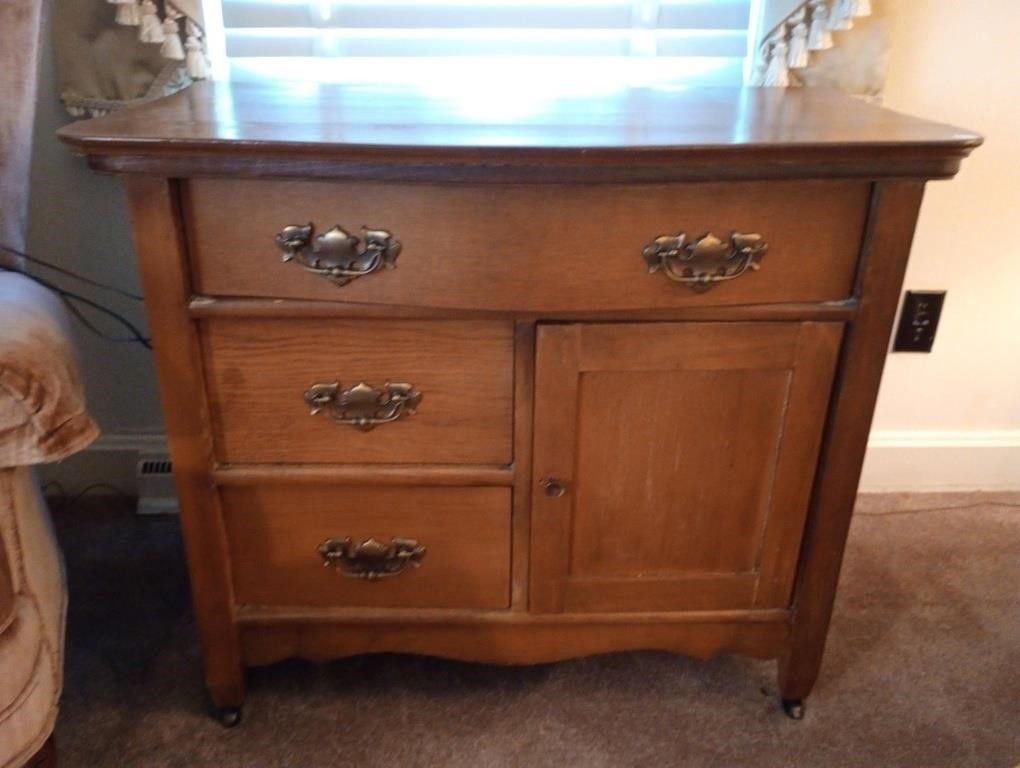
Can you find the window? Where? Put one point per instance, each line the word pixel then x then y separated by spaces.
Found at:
pixel 529 44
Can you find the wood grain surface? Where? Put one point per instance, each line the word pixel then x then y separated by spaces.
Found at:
pixel 517 639
pixel 407 133
pixel 887 247
pixel 159 243
pixel 529 247
pixel 687 453
pixel 274 532
pixel 259 370
pixel 709 444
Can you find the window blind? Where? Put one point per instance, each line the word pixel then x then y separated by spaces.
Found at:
pixel 702 41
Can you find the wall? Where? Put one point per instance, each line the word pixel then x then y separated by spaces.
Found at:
pixel 951 419
pixel 78 220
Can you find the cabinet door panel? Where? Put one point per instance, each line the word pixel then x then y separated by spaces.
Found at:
pixel 687 452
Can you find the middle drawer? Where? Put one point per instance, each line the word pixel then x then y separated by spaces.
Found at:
pixel 266 376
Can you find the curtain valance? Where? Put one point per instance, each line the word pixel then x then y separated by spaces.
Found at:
pixel 111 53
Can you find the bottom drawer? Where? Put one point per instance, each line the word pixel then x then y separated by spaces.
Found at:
pixel 275 533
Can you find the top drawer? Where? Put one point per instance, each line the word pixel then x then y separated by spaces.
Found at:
pixel 532 248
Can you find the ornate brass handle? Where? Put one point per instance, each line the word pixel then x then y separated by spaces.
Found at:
pixel 706 260
pixel 363 406
pixel 336 255
pixel 371 559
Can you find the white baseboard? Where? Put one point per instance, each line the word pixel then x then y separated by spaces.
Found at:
pixel 111 459
pixel 920 461
pixel 932 461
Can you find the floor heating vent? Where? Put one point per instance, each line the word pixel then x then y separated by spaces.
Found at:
pixel 156 494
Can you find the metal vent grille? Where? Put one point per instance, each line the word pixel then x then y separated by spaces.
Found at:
pixel 156 494
pixel 155 467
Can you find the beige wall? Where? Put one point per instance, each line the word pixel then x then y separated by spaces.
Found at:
pixel 952 418
pixel 78 219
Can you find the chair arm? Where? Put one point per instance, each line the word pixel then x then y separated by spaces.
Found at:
pixel 42 403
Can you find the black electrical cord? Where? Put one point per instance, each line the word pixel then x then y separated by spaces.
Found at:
pixel 69 297
pixel 65 502
pixel 135 337
pixel 69 273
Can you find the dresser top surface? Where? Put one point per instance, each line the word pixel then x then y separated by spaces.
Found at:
pixel 751 128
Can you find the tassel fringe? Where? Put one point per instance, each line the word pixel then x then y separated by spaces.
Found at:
pixel 151 28
pixel 128 13
pixel 841 17
pixel 172 47
pixel 797 58
pixel 166 33
pixel 808 28
pixel 819 37
pixel 198 67
pixel 776 73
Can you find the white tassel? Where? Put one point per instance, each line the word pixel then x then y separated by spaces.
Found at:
pixel 858 9
pixel 841 18
pixel 798 55
pixel 198 68
pixel 151 29
pixel 172 48
pixel 837 16
pixel 758 79
pixel 820 37
pixel 127 13
pixel 777 75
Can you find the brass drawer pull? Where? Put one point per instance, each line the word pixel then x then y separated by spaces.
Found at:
pixel 363 406
pixel 372 559
pixel 336 255
pixel 706 260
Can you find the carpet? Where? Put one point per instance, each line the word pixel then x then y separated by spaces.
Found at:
pixel 922 669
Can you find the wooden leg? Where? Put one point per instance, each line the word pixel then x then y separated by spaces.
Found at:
pixel 227 694
pixel 797 675
pixel 229 717
pixel 894 211
pixel 46 757
pixel 160 244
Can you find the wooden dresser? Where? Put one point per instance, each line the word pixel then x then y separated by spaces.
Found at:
pixel 597 378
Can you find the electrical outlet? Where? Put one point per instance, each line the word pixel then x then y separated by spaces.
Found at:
pixel 919 320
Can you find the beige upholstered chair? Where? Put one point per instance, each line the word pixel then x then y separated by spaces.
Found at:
pixel 42 419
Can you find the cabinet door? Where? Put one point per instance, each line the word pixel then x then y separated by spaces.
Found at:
pixel 673 462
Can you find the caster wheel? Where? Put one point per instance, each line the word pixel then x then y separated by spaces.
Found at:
pixel 229 717
pixel 794 708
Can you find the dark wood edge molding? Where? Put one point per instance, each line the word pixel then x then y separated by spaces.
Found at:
pixel 364 474
pixel 209 307
pixel 592 168
pixel 258 615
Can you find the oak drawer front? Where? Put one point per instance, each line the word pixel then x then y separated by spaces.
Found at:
pixel 261 374
pixel 456 543
pixel 528 247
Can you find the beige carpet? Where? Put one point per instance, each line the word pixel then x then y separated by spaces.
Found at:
pixel 923 669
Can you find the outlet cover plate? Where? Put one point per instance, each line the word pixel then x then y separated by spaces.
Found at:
pixel 919 319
